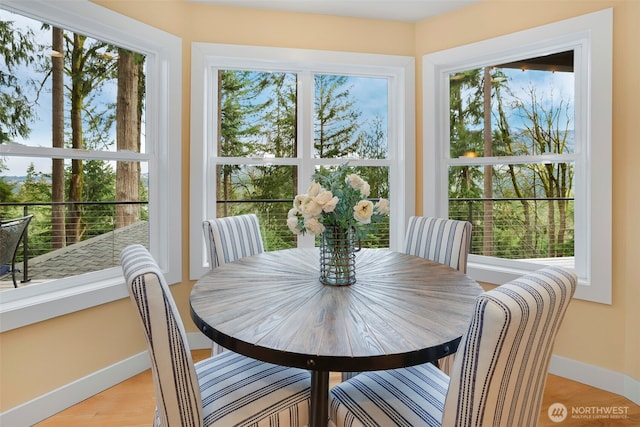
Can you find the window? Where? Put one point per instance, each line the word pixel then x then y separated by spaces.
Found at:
pixel 512 157
pixel 265 119
pixel 159 182
pixel 524 151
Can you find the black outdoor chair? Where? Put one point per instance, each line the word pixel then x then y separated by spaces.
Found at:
pixel 11 233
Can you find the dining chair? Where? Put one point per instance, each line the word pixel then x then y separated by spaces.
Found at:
pixel 443 240
pixel 446 241
pixel 224 390
pixel 12 232
pixel 499 373
pixel 231 238
pixel 228 239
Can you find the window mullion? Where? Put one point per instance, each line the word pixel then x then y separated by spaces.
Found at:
pixel 511 160
pixel 305 136
pixel 67 153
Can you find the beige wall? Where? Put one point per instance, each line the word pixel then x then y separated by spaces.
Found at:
pixel 44 356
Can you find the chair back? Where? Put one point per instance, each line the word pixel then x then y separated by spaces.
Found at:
pixel 12 232
pixel 500 369
pixel 179 402
pixel 446 241
pixel 231 238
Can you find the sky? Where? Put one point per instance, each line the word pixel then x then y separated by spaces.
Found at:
pixel 40 134
pixel 372 96
pixel 550 87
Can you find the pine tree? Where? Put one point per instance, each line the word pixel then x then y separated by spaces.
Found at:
pixel 336 118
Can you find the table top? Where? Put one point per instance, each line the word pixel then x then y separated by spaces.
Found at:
pixel 403 310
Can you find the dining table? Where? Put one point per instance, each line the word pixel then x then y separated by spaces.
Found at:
pixel 403 310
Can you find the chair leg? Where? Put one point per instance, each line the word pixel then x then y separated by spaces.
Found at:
pixel 13 274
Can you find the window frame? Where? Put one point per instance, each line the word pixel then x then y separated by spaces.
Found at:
pixel 30 304
pixel 401 73
pixel 591 38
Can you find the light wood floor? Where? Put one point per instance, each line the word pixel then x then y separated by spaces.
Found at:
pixel 132 403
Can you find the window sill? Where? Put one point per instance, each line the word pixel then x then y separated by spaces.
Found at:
pixel 23 306
pixel 498 275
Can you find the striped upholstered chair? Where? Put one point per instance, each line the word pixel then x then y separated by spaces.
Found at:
pixel 498 376
pixel 231 238
pixel 446 241
pixel 228 239
pixel 225 390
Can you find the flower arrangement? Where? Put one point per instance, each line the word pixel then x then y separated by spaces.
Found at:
pixel 336 198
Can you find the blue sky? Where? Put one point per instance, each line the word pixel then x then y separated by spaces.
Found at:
pixel 372 96
pixel 41 126
pixel 549 87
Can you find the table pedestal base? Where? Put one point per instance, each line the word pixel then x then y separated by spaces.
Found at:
pixel 319 398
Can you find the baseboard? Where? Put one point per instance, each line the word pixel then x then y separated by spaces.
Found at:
pixel 43 407
pixel 632 389
pixel 60 399
pixel 595 376
pixel 198 341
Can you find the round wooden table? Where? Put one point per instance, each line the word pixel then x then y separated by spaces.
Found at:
pixel 403 310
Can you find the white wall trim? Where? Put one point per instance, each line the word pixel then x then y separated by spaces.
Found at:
pixel 595 376
pixel 198 341
pixel 43 407
pixel 49 404
pixel 18 310
pixel 70 394
pixel 632 389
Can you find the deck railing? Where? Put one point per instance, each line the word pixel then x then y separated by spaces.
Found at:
pixel 514 228
pixel 97 219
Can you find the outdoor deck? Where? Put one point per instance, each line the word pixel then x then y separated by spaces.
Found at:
pixel 89 255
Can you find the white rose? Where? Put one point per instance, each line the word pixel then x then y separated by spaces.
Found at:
pixel 293 212
pixel 323 197
pixel 313 226
pixel 383 206
pixel 292 222
pixel 314 189
pixel 365 189
pixel 363 211
pixel 310 207
pixel 297 201
pixel 355 181
pixel 330 206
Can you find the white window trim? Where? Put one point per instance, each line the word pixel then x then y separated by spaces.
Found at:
pixel 591 36
pixel 30 304
pixel 401 71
